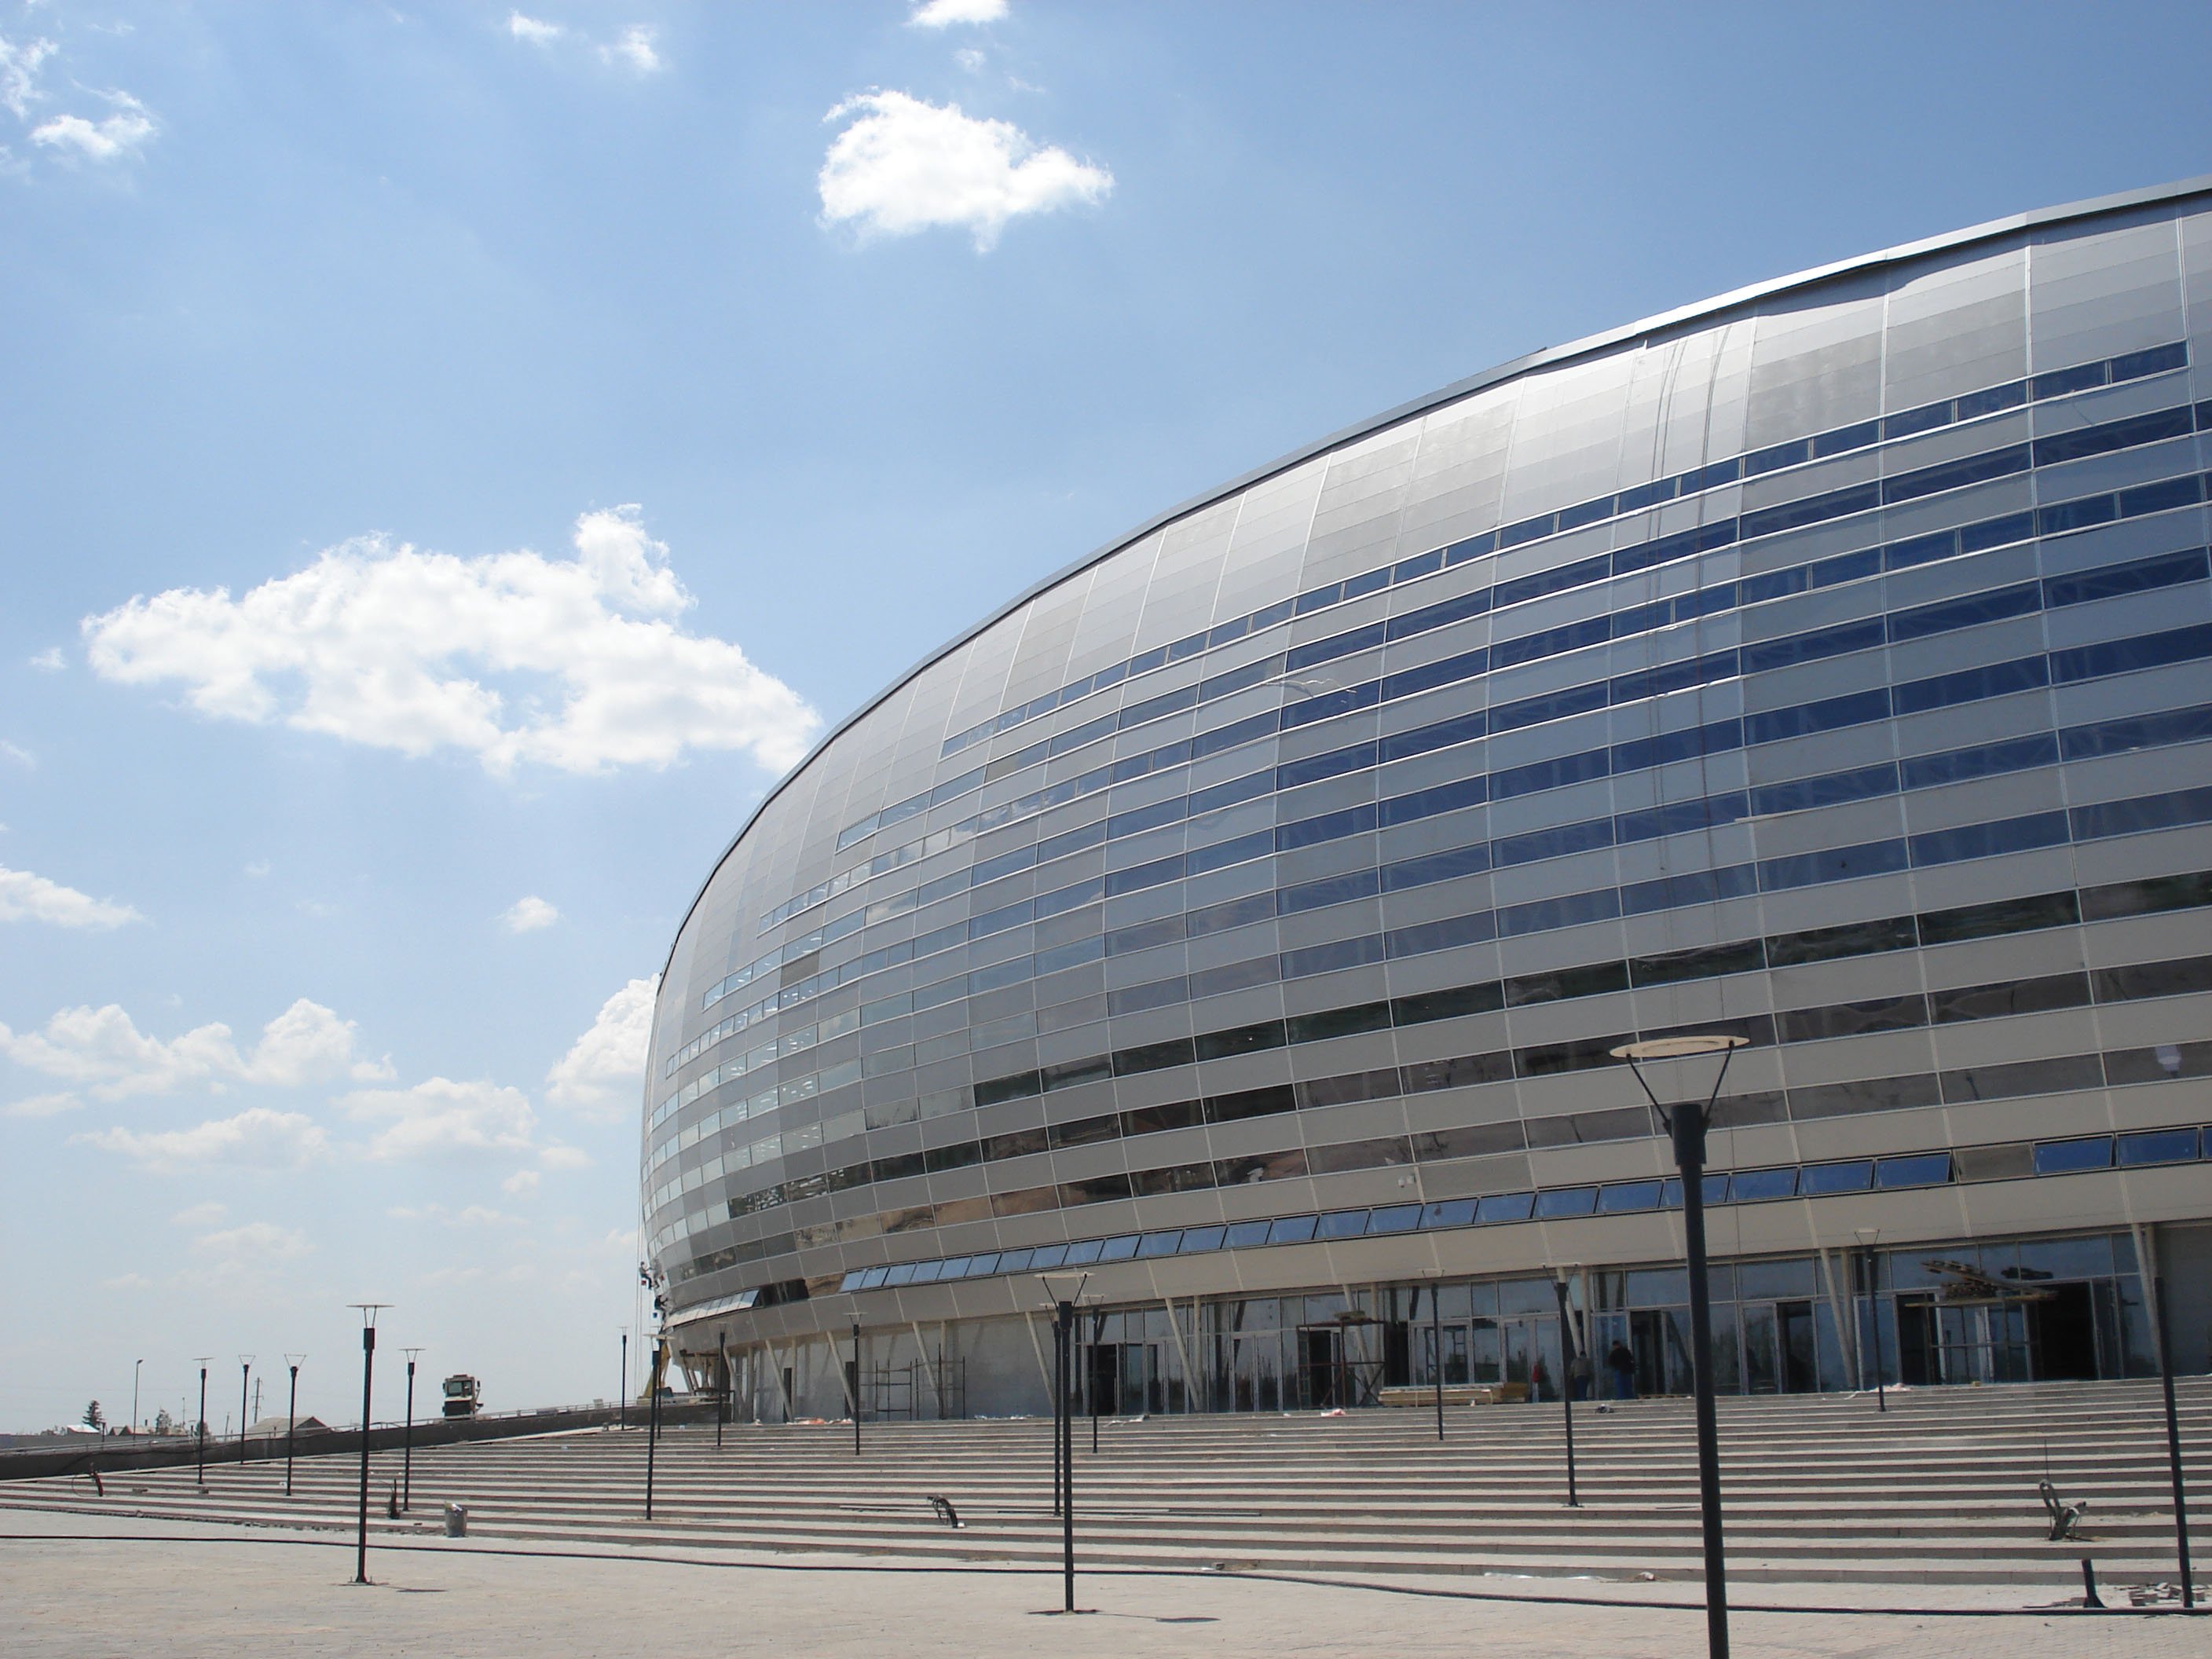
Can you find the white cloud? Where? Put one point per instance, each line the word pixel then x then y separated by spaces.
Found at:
pixel 256 1139
pixel 536 31
pixel 257 869
pixel 201 1215
pixel 600 1075
pixel 19 73
pixel 255 1242
pixel 970 59
pixel 27 897
pixel 520 1182
pixel 439 1118
pixel 113 139
pixel 905 165
pixel 632 50
pixel 49 661
pixel 387 647
pixel 17 753
pixel 565 1157
pixel 43 1105
pixel 943 13
pixel 527 914
pixel 103 1048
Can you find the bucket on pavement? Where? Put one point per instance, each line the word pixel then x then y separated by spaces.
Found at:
pixel 457 1520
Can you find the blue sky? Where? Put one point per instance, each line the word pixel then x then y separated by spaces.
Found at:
pixel 455 456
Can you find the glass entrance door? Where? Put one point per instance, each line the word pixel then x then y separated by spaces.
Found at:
pixel 1532 1355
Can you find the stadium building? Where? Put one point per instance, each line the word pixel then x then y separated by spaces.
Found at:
pixel 1244 915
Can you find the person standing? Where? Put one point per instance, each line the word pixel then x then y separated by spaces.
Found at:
pixel 1622 1364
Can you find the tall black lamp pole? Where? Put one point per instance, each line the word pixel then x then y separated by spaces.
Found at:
pixel 291 1418
pixel 201 1428
pixel 1566 1378
pixel 622 1395
pixel 1065 1294
pixel 407 1439
pixel 1097 1336
pixel 2155 1282
pixel 1436 1350
pixel 856 1388
pixel 652 1419
pixel 1687 1122
pixel 1867 1237
pixel 368 1312
pixel 244 1371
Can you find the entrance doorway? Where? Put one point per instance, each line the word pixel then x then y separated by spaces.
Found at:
pixel 1779 1355
pixel 1320 1366
pixel 2063 1335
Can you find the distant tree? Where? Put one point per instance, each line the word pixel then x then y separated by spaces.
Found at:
pixel 93 1419
pixel 163 1422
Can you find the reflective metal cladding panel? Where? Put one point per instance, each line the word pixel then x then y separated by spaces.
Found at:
pixel 1826 664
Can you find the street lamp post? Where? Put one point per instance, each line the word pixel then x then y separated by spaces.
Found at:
pixel 244 1371
pixel 622 1395
pixel 200 1428
pixel 291 1417
pixel 1437 1343
pixel 1090 1382
pixel 368 1312
pixel 407 1439
pixel 135 1364
pixel 1566 1378
pixel 1867 1237
pixel 1687 1123
pixel 856 1388
pixel 652 1420
pixel 1063 1298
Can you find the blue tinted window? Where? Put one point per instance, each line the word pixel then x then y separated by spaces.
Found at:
pixel 1920 1170
pixel 1047 1255
pixel 1920 550
pixel 2165 571
pixel 2159 423
pixel 1015 1262
pixel 2015 755
pixel 1437 867
pixel 2120 737
pixel 1814 509
pixel 1396 1219
pixel 1674 676
pixel 1084 1251
pixel 1971 684
pixel 1926 418
pixel 1552 642
pixel 1982 841
pixel 1844 567
pixel 1427 803
pixel 1329 704
pixel 1408 569
pixel 1997 532
pixel 1954 474
pixel 2077 515
pixel 1715 1189
pixel 1779 456
pixel 2157 360
pixel 1816 1179
pixel 1682 544
pixel 1313 768
pixel 1330 890
pixel 1693 887
pixel 1527 530
pixel 1554 580
pixel 1242 1235
pixel 1165 1243
pixel 1317 597
pixel 1448 1213
pixel 1854 708
pixel 1749 1186
pixel 1552 843
pixel 1991 399
pixel 2060 381
pixel 1831 864
pixel 1472 548
pixel 1626 1195
pixel 1553 773
pixel 2159 1146
pixel 1463 728
pixel 1801 794
pixel 1807 647
pixel 1291 1228
pixel 1647 752
pixel 1506 1206
pixel 1565 1201
pixel 1197 1240
pixel 2129 817
pixel 1680 818
pixel 1774 585
pixel 1411 681
pixel 2065 1157
pixel 1952 614
pixel 1368 581
pixel 1329 826
pixel 1442 614
pixel 1342 645
pixel 2161 497
pixel 1342 1223
pixel 1558 705
pixel 1445 934
pixel 2120 656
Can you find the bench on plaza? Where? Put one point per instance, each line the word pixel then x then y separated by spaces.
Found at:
pixel 1455 1393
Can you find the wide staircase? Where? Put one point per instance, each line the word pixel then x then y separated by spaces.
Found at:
pixel 1941 1489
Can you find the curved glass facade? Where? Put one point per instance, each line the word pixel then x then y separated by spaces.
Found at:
pixel 1244 916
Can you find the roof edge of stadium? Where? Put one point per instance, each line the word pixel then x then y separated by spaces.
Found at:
pixel 1548 357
